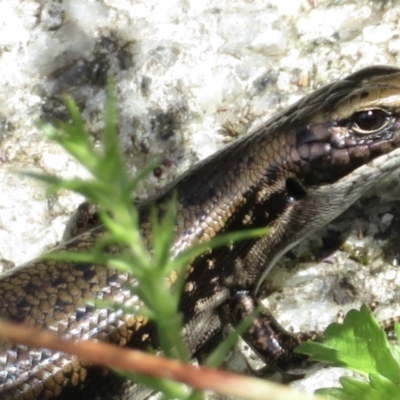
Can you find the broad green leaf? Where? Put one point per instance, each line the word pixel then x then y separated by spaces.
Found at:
pixel 358 344
pixel 377 388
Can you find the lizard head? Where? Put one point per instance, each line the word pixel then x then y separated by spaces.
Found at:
pixel 358 120
pixel 339 141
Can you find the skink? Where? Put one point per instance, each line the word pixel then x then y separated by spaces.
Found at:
pixel 294 174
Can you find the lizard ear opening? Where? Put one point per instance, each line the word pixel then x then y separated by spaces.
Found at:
pixel 294 190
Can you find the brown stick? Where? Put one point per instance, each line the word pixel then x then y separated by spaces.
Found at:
pixel 154 366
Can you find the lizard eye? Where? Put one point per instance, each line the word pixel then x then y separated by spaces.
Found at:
pixel 369 121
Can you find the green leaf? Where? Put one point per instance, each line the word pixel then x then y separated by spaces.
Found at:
pixel 378 387
pixel 358 344
pixel 163 233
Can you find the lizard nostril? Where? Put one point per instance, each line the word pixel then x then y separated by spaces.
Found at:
pixel 294 190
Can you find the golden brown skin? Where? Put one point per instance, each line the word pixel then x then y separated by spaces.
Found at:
pixel 295 173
